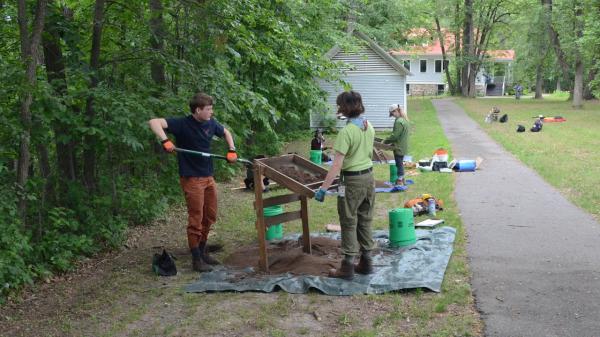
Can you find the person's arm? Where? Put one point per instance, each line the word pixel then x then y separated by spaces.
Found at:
pixel 336 167
pixel 398 130
pixel 231 154
pixel 229 139
pixel 158 126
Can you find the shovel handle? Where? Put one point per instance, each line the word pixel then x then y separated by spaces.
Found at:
pixel 206 154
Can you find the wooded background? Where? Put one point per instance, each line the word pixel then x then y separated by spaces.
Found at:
pixel 79 80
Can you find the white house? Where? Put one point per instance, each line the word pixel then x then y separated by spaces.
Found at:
pixel 378 77
pixel 425 62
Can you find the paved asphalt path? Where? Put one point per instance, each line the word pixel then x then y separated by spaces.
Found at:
pixel 534 256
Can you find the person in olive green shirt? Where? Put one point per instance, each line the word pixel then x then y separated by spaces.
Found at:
pixel 399 139
pixel 356 190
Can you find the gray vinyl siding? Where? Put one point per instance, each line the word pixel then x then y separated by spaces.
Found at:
pixel 379 84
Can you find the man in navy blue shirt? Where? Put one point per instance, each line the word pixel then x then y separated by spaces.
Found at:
pixel 195 132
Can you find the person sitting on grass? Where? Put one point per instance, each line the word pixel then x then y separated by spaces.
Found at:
pixel 356 190
pixel 399 139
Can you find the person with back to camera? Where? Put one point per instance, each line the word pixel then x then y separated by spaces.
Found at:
pixel 356 190
pixel 399 139
pixel 195 132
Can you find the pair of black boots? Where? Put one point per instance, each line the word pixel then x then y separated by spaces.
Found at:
pixel 348 268
pixel 201 261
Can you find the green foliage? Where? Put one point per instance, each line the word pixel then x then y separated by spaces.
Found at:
pixel 14 248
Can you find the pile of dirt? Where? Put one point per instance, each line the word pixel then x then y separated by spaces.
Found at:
pixel 287 257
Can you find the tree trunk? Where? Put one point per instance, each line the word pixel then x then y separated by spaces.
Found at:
pixel 29 51
pixel 578 85
pixel 539 80
pixel 89 154
pixel 56 75
pixel 457 49
pixel 157 28
pixel 442 39
pixel 467 49
pixel 554 39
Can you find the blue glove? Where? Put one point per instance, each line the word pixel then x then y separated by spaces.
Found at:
pixel 320 195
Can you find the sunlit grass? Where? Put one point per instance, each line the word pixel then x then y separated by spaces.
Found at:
pixel 564 154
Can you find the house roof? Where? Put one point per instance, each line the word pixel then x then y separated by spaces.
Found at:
pixel 376 48
pixel 434 48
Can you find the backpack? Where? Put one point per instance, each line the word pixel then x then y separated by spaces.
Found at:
pixel 504 118
pixel 164 264
pixel 520 128
pixel 419 205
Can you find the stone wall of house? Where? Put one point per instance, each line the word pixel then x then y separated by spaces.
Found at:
pixel 423 89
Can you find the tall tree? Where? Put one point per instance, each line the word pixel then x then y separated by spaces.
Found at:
pixel 89 154
pixel 30 41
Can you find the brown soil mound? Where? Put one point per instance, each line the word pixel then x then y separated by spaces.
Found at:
pixel 287 257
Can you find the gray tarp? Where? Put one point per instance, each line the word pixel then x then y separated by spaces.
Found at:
pixel 419 266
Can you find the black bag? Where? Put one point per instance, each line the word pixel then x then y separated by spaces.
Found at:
pixel 520 128
pixel 437 165
pixel 504 118
pixel 164 264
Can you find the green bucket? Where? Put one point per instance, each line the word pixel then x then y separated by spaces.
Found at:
pixel 274 232
pixel 316 156
pixel 393 173
pixel 402 227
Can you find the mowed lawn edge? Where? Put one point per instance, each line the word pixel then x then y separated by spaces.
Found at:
pixel 564 154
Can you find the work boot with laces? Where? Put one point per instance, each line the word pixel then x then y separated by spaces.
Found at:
pixel 207 258
pixel 346 270
pixel 365 265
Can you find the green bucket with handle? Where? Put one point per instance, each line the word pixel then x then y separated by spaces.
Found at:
pixel 402 227
pixel 274 232
pixel 393 173
pixel 316 156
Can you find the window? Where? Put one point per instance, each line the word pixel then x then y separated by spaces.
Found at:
pixel 408 88
pixel 446 62
pixel 438 66
pixel 407 64
pixel 423 66
pixel 441 88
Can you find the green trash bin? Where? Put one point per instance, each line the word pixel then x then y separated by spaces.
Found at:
pixel 316 156
pixel 274 232
pixel 402 227
pixel 393 173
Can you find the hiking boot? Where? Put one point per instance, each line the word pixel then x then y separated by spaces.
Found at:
pixel 210 260
pixel 345 272
pixel 200 266
pixel 365 265
pixel 203 247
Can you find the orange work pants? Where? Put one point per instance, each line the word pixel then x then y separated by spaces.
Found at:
pixel 201 199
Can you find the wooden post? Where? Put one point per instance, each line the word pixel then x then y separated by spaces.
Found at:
pixel 305 229
pixel 263 263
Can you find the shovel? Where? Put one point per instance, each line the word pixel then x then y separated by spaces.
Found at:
pixel 206 154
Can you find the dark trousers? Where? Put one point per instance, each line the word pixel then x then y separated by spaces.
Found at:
pixel 399 158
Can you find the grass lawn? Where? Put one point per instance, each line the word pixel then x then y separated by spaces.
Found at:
pixel 564 154
pixel 118 295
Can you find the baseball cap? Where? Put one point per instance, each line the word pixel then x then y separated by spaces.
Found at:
pixel 393 107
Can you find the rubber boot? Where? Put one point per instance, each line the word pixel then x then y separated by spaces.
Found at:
pixel 346 270
pixel 207 258
pixel 365 265
pixel 198 263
